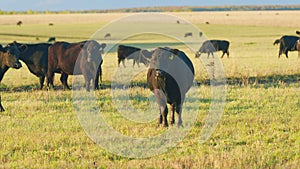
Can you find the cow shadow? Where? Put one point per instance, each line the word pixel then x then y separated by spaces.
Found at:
pixel 252 81
pixel 255 81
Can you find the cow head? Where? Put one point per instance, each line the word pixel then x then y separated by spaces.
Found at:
pixel 145 56
pixel 10 55
pixel 165 63
pixel 93 51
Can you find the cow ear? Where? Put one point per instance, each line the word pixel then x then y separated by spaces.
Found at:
pixel 82 45
pixel 103 45
pixel 23 48
pixel 171 57
pixel 146 54
pixel 101 49
pixel 175 51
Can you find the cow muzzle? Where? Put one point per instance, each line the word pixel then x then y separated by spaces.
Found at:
pixel 17 65
pixel 159 74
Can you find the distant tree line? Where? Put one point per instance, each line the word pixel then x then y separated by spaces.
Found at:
pixel 165 9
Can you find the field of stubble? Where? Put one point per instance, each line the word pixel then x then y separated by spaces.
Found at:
pixel 259 127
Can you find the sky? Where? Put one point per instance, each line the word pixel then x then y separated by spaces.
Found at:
pixel 58 5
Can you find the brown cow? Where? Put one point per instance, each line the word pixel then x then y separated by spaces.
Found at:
pixel 108 35
pixel 188 34
pixel 9 57
pixel 75 59
pixel 169 77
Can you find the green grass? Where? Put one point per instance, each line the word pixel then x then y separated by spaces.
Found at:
pixel 259 127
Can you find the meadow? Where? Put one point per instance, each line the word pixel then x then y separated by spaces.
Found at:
pixel 259 127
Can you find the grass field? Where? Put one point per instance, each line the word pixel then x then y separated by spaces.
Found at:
pixel 259 127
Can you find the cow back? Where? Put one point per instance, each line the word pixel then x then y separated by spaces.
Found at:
pixel 288 42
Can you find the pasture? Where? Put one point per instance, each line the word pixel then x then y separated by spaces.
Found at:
pixel 259 127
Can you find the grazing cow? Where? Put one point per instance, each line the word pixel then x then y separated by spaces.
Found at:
pixel 129 52
pixel 188 34
pixel 287 43
pixel 211 46
pixel 178 22
pixel 36 59
pixel 200 34
pixel 51 40
pixel 98 78
pixel 19 23
pixel 74 59
pixel 51 24
pixel 108 35
pixel 276 42
pixel 169 77
pixel 298 32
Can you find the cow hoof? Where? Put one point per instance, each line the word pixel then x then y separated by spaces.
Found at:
pixel 179 125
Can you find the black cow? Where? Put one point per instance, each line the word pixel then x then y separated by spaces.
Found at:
pixel 74 59
pixel 129 52
pixel 19 23
pixel 211 46
pixel 298 32
pixel 169 77
pixel 36 59
pixel 287 43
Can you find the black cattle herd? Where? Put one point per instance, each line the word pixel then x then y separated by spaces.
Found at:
pixel 170 71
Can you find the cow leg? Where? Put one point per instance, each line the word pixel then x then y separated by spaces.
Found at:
pixel 160 118
pixel 164 115
pixel 178 111
pixel 286 54
pixel 227 54
pixel 197 54
pixel 1 107
pixel 123 62
pixel 64 81
pixel 172 114
pixel 42 79
pixel 133 63
pixel 119 61
pixel 87 82
pixel 50 77
pixel 223 55
pixel 98 76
